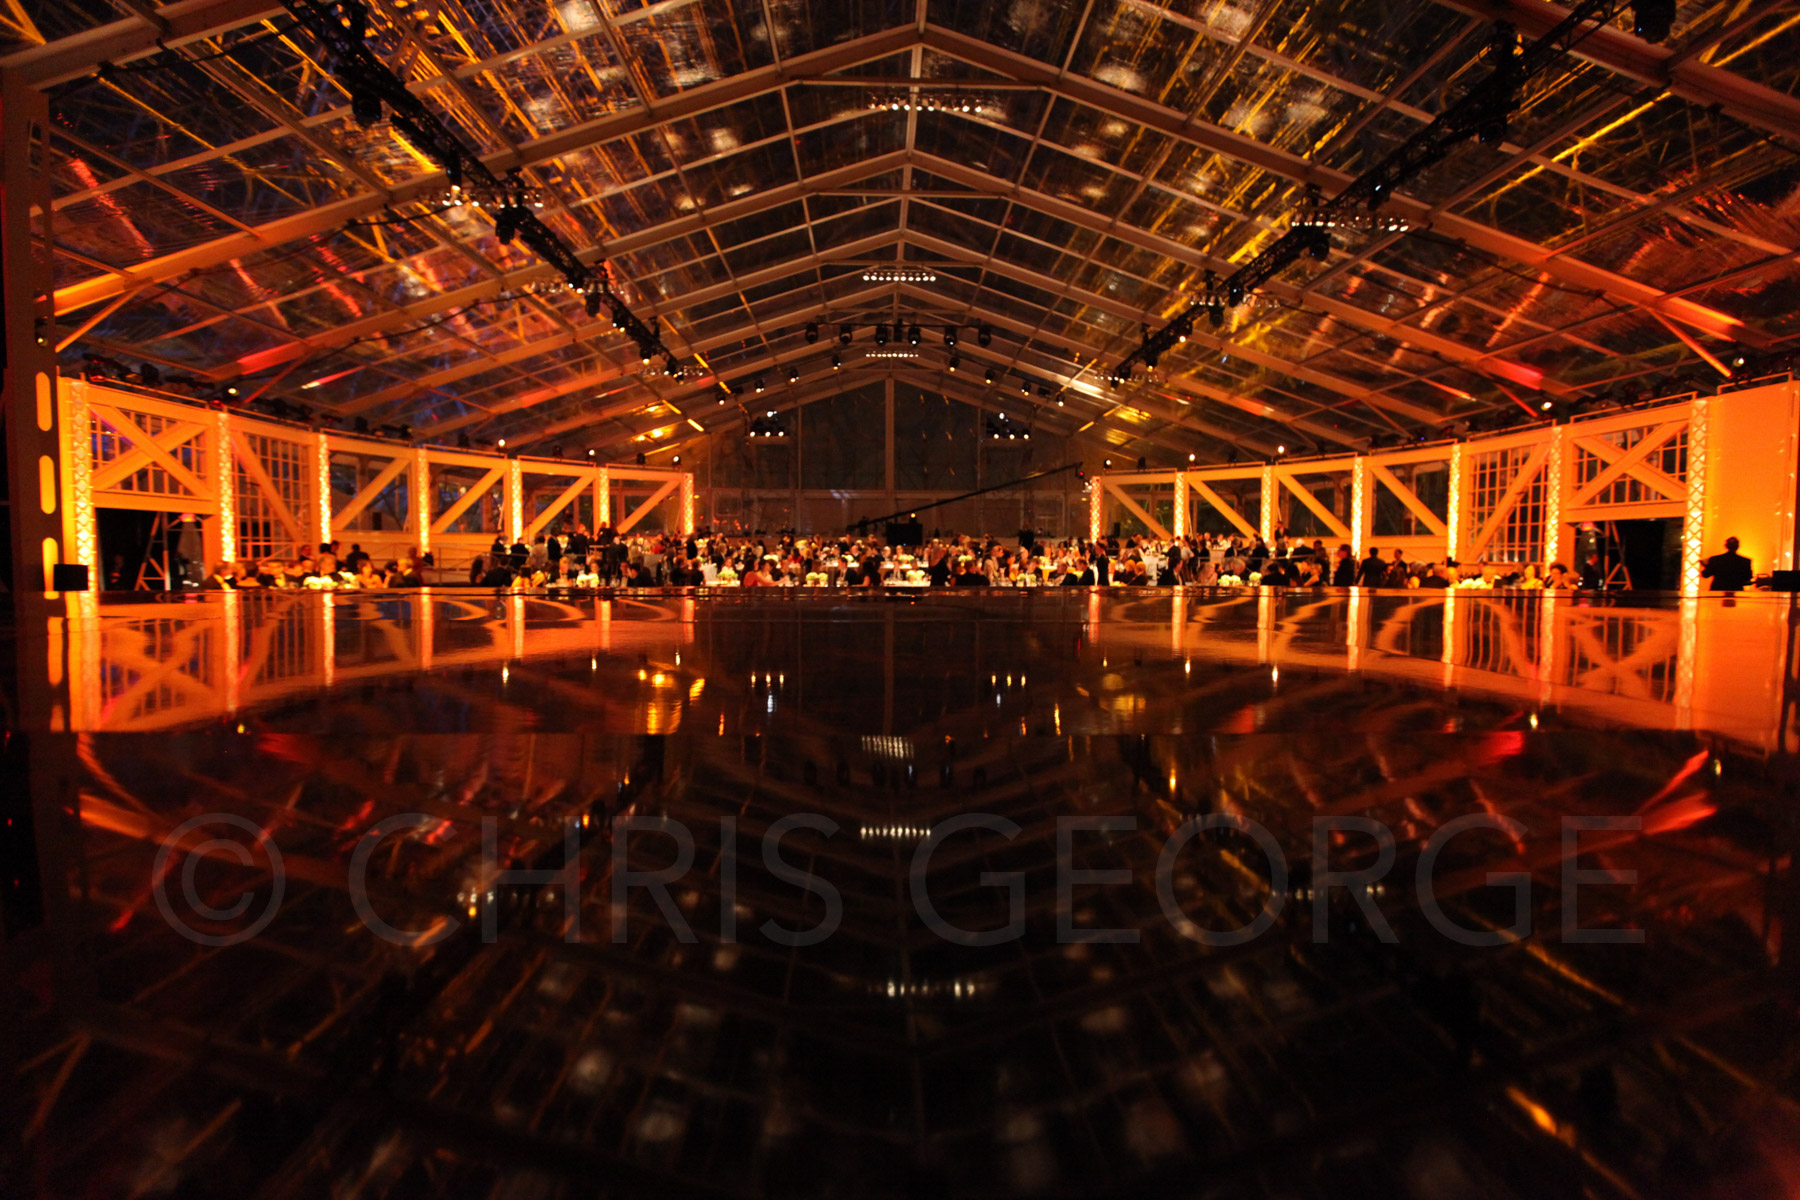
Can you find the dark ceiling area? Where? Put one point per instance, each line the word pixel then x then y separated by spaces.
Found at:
pixel 1063 175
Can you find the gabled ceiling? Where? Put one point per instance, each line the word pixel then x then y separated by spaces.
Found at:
pixel 220 213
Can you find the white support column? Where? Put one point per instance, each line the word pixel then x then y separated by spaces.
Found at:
pixel 687 505
pixel 603 498
pixel 82 543
pixel 1693 524
pixel 220 538
pixel 1179 521
pixel 1269 498
pixel 1096 508
pixel 514 494
pixel 1455 510
pixel 322 481
pixel 1361 508
pixel 421 499
pixel 1556 478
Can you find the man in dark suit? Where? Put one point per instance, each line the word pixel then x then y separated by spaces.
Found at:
pixel 1730 571
pixel 1372 572
pixel 1343 573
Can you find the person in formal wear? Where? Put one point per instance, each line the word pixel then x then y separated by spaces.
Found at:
pixel 1080 574
pixel 1730 571
pixel 1398 572
pixel 1592 577
pixel 1372 572
pixel 1343 571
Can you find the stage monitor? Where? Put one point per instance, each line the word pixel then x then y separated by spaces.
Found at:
pixel 905 533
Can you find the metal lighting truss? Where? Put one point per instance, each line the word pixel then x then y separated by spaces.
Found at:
pixel 341 26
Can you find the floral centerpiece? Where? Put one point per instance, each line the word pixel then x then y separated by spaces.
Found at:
pixel 1229 581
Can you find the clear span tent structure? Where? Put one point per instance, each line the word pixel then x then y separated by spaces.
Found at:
pixel 1046 183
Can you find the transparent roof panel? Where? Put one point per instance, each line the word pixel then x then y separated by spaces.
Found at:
pixel 742 165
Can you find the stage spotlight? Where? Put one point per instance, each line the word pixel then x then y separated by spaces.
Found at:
pixel 506 226
pixel 1190 456
pixel 955 362
pixel 812 332
pixel 593 304
pixel 676 461
pixel 1318 247
pixel 990 377
pixel 1024 387
pixel 1151 358
pixel 1234 292
pixel 881 335
pixel 1215 315
pixel 845 333
pixel 1106 464
pixel 984 336
pixel 793 374
pixel 949 335
pixel 837 361
pixel 912 335
pixel 759 386
pixel 1281 449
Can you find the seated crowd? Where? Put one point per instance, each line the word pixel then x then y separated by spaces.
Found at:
pixel 579 559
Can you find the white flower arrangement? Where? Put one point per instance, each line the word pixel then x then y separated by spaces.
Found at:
pixel 1475 582
pixel 1229 581
pixel 1412 581
pixel 1255 578
pixel 727 578
pixel 590 579
pixel 320 583
pixel 817 579
pixel 915 576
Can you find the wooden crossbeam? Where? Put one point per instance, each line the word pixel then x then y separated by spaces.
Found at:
pixel 1631 462
pixel 1411 499
pixel 563 501
pixel 1218 502
pixel 1136 510
pixel 1508 501
pixel 480 489
pixel 1304 495
pixel 110 475
pixel 370 492
pixel 253 467
pixel 643 510
pixel 134 433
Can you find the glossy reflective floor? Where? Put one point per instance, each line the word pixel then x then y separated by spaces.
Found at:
pixel 277 958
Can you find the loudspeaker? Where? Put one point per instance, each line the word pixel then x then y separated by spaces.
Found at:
pixel 69 577
pixel 1784 581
